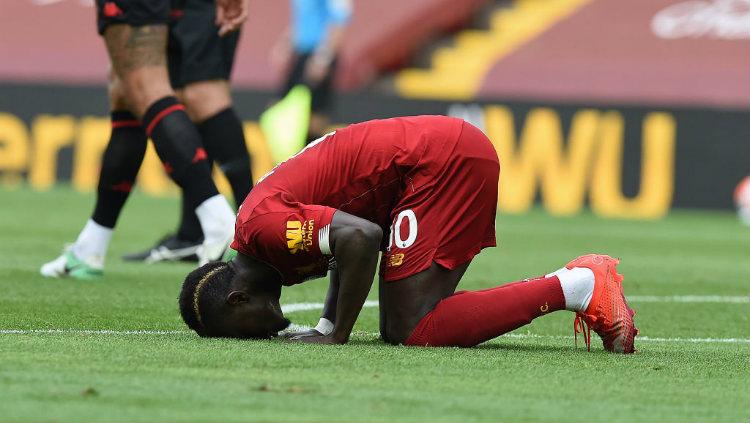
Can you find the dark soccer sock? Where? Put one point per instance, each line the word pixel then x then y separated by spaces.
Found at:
pixel 120 164
pixel 224 140
pixel 189 228
pixel 179 147
pixel 468 318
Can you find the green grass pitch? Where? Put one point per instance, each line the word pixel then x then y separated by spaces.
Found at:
pixel 692 365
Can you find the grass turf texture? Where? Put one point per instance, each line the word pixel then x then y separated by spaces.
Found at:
pixel 179 377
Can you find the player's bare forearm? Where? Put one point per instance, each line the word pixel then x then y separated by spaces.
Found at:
pixel 355 243
pixel 327 317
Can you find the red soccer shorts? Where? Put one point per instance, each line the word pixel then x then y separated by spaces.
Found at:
pixel 450 216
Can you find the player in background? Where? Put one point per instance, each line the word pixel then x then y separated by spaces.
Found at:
pixel 200 63
pixel 742 200
pixel 143 105
pixel 309 51
pixel 421 190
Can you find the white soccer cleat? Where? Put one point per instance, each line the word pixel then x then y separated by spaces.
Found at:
pixel 213 250
pixel 217 221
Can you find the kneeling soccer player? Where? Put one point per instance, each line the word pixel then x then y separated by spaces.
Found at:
pixel 423 190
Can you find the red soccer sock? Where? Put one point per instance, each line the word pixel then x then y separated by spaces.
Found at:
pixel 468 318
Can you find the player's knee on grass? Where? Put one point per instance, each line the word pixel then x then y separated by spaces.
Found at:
pixel 395 328
pixel 395 337
pixel 398 333
pixel 409 301
pixel 212 305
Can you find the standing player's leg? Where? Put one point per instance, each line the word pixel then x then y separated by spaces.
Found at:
pixel 321 93
pixel 321 104
pixel 200 64
pixel 120 164
pixel 138 55
pixel 209 105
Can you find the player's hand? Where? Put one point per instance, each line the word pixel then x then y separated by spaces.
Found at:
pixel 230 14
pixel 316 339
pixel 291 336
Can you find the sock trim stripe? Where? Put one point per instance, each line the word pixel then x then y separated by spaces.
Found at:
pixel 161 115
pixel 124 186
pixel 125 124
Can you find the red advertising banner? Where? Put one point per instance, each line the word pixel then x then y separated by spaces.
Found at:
pixel 680 52
pixel 56 40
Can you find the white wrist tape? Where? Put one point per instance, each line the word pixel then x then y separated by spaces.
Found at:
pixel 324 240
pixel 325 326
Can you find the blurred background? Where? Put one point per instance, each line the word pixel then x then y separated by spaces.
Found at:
pixel 631 108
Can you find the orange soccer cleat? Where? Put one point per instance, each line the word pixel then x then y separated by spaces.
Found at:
pixel 608 313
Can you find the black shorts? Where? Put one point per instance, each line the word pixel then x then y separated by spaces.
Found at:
pixel 322 93
pixel 195 51
pixel 131 12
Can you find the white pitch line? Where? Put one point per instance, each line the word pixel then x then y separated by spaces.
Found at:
pixel 291 308
pixel 639 338
pixel 90 332
pixel 294 307
pixel 728 299
pixel 303 327
pixel 695 340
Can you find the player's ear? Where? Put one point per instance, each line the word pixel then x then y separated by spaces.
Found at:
pixel 237 297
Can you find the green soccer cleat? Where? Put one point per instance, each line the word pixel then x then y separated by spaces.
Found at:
pixel 68 265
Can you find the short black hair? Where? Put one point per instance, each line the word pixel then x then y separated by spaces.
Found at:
pixel 199 310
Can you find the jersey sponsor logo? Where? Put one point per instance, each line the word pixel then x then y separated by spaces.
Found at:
pixel 299 235
pixel 396 260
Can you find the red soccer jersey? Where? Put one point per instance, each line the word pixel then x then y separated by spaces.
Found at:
pixel 362 169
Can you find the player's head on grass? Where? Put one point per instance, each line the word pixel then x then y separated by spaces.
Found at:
pixel 232 300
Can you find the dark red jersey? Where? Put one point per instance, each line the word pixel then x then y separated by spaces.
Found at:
pixel 386 171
